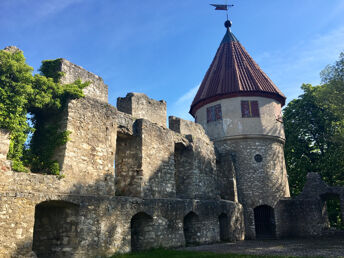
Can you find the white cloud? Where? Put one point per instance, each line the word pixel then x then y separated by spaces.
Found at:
pixel 302 63
pixel 181 107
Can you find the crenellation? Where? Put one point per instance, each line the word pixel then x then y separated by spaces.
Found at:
pixel 140 106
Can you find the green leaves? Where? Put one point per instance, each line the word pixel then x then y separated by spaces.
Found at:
pixel 42 96
pixel 314 128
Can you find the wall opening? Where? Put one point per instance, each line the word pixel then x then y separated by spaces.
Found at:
pixel 183 164
pixel 333 210
pixel 264 219
pixel 224 227
pixel 128 174
pixel 55 229
pixel 192 228
pixel 141 232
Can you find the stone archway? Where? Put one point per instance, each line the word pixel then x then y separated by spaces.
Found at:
pixel 141 232
pixel 55 229
pixel 191 228
pixel 264 220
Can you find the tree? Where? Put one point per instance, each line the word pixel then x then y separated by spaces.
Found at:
pixel 40 95
pixel 314 128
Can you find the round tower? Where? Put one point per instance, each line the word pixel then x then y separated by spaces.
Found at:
pixel 240 109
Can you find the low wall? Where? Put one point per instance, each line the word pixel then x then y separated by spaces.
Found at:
pixel 103 224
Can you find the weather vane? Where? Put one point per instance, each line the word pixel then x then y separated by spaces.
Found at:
pixel 223 7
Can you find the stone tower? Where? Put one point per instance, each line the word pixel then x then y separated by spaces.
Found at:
pixel 240 110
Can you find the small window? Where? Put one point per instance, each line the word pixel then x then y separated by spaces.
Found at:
pixel 249 108
pixel 214 113
pixel 258 158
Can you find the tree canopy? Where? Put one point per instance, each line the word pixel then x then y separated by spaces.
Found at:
pixel 314 128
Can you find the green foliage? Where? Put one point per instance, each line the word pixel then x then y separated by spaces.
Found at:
pixel 40 95
pixel 334 214
pixel 314 128
pixel 51 69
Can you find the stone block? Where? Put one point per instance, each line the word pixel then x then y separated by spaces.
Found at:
pixel 186 127
pixel 140 106
pixel 97 88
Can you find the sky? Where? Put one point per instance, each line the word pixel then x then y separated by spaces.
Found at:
pixel 164 48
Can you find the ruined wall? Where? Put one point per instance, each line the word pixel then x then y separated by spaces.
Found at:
pixel 300 218
pixel 140 106
pixel 195 162
pixel 89 154
pixel 226 178
pixel 306 214
pixel 128 165
pixel 103 225
pixel 72 72
pixel 157 160
pixel 88 218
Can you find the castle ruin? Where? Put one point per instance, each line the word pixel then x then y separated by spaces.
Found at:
pixel 132 183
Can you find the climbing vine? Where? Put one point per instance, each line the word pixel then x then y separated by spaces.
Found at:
pixel 32 105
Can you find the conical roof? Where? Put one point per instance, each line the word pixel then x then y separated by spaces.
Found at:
pixel 234 73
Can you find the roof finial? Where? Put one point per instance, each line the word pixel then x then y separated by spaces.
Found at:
pixel 224 7
pixel 228 24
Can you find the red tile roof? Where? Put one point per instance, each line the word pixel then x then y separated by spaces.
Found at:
pixel 234 73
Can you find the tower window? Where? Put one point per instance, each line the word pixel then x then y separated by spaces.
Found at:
pixel 214 113
pixel 249 108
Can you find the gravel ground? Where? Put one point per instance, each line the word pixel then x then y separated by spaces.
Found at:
pixel 324 247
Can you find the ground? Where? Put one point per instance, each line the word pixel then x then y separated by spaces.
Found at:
pixel 321 247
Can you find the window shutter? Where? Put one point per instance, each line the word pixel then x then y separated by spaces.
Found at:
pixel 208 114
pixel 255 108
pixel 218 112
pixel 245 109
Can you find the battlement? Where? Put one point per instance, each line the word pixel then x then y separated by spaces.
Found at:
pixel 97 88
pixel 140 106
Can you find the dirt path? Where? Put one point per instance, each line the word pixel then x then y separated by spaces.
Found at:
pixel 325 247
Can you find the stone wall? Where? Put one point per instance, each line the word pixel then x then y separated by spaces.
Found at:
pixel 104 223
pixel 300 218
pixel 140 106
pixel 195 162
pixel 306 214
pixel 79 213
pixel 259 181
pixel 97 89
pixel 90 153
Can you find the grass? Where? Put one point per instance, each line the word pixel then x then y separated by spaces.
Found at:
pixel 163 253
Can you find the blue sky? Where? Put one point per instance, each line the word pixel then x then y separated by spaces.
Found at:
pixel 164 48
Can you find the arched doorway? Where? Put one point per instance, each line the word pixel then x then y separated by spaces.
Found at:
pixel 332 210
pixel 191 228
pixel 264 220
pixel 55 229
pixel 140 226
pixel 224 227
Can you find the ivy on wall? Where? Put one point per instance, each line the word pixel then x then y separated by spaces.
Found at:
pixel 43 98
